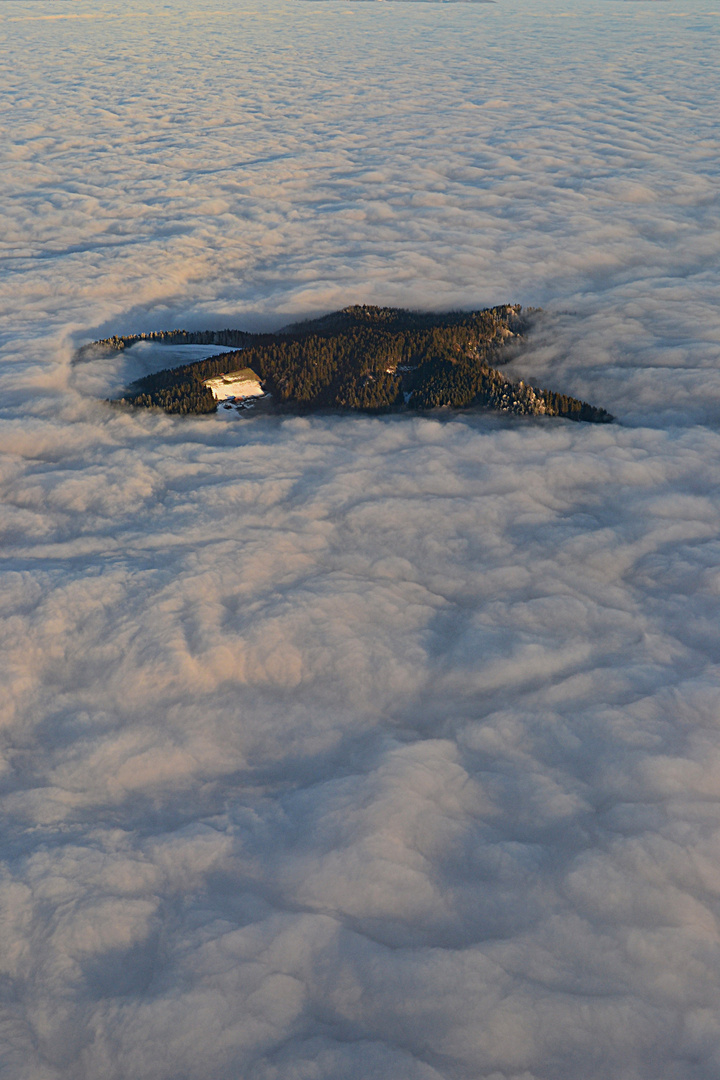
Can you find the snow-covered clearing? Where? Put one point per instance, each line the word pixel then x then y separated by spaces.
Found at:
pixel 235 384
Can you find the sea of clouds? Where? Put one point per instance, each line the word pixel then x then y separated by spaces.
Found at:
pixel 350 747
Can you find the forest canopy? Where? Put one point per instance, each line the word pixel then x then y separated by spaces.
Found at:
pixel 365 358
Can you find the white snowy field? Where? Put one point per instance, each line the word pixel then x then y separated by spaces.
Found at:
pixel 338 748
pixel 234 384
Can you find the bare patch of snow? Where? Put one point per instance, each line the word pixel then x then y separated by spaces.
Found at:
pixel 235 384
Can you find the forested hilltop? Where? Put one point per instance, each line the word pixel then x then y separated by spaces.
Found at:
pixel 368 358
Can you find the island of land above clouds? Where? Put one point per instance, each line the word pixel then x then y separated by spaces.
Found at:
pixel 373 359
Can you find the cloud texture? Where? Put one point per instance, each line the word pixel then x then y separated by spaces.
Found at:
pixel 350 747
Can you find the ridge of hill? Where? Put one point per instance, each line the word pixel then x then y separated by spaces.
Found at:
pixel 365 358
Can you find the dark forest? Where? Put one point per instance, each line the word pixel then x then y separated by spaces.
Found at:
pixel 365 358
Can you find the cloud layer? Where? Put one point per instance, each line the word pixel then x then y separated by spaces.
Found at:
pixel 350 747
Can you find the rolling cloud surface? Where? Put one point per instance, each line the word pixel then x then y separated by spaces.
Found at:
pixel 338 747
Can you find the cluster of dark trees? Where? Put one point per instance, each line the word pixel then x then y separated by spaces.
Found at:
pixel 374 359
pixel 182 398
